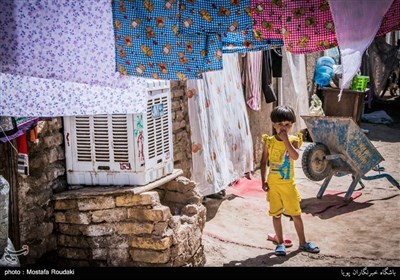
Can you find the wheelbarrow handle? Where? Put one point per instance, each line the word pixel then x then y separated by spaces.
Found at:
pixel 383 175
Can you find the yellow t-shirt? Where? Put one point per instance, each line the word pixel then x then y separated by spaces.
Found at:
pixel 281 167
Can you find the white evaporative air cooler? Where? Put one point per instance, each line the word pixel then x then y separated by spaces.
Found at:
pixel 133 149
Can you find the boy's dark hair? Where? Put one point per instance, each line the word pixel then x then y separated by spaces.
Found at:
pixel 283 113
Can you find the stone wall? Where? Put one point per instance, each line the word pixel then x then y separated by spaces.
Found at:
pixel 181 128
pixel 116 227
pixel 47 175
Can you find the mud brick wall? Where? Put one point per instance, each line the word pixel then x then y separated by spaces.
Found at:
pixel 115 227
pixel 47 175
pixel 181 128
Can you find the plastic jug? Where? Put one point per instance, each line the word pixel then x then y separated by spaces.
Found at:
pixel 324 70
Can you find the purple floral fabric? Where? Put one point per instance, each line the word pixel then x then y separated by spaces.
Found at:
pixel 62 53
pixel 29 96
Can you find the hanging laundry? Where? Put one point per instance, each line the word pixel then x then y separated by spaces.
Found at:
pixel 204 16
pixel 46 45
pixel 266 77
pixel 245 41
pixel 222 147
pixel 61 40
pixel 391 20
pixel 293 89
pixel 34 134
pixel 304 26
pixel 382 58
pixel 252 70
pixel 8 126
pixel 276 57
pixel 308 26
pixel 23 161
pixel 23 125
pixel 29 96
pixel 148 43
pixel 356 23
pixel 267 16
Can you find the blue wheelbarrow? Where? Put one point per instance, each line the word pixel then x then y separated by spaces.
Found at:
pixel 339 148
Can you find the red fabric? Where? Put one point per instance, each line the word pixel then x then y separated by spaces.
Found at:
pixel 247 188
pixel 22 144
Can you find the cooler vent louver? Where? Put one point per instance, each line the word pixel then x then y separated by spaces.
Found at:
pixel 133 149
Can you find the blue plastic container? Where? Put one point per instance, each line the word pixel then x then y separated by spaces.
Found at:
pixel 324 70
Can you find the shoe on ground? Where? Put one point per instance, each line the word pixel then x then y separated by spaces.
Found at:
pixel 310 248
pixel 280 250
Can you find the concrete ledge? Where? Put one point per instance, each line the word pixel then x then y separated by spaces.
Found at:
pixel 91 191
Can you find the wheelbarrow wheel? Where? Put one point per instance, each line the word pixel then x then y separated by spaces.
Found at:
pixel 314 163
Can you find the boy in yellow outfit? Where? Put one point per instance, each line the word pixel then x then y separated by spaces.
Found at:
pixel 280 152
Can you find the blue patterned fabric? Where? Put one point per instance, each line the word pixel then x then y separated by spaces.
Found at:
pixel 148 44
pixel 245 42
pixel 214 16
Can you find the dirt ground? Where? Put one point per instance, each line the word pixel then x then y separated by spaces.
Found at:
pixel 364 232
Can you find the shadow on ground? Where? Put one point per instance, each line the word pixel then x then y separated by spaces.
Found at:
pixel 212 204
pixel 269 259
pixel 331 205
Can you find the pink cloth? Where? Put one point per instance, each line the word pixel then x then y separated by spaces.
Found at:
pixel 267 18
pixel 252 79
pixel 308 26
pixel 391 20
pixel 305 26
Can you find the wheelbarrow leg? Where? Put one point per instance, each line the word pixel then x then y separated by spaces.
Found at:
pixel 353 185
pixel 324 185
pixel 362 184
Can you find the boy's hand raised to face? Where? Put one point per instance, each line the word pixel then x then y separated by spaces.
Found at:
pixel 283 135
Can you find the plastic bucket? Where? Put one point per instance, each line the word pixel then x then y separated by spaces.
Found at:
pixel 325 61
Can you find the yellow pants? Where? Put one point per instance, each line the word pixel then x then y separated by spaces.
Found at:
pixel 284 197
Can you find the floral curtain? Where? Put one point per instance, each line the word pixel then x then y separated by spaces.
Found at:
pixel 222 147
